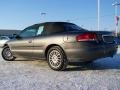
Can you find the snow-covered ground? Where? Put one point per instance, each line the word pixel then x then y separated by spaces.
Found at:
pixel 103 74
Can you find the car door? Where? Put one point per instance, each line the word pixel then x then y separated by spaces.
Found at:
pixel 39 42
pixel 23 45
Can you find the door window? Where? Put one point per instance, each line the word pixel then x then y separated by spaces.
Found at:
pixel 28 33
pixel 40 30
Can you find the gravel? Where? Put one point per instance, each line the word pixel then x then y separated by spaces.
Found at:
pixel 103 74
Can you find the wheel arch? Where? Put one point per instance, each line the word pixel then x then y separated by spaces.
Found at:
pixel 5 45
pixel 50 46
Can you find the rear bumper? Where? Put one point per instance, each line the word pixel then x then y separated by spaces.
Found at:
pixel 90 53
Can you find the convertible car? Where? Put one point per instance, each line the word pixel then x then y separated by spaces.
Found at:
pixel 60 43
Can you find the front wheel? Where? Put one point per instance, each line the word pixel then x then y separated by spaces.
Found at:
pixel 7 54
pixel 56 58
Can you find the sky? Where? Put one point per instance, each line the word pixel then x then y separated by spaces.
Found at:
pixel 18 14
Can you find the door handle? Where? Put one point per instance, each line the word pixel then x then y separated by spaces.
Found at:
pixel 30 41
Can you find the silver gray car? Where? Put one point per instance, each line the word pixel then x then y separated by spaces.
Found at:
pixel 60 43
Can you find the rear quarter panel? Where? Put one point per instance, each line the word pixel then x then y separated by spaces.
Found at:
pixel 42 42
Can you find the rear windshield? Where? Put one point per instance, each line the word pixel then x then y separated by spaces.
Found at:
pixel 73 27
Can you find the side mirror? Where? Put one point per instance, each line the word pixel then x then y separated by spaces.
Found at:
pixel 16 36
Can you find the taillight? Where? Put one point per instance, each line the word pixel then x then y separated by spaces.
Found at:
pixel 86 37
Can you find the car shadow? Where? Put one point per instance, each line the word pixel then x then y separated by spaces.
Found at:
pixel 24 60
pixel 27 59
pixel 101 64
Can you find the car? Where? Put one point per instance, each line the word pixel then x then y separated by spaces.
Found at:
pixel 117 39
pixel 60 43
pixel 3 40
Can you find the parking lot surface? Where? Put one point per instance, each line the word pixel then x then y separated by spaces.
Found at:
pixel 24 74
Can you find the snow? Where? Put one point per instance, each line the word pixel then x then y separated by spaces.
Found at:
pixel 118 52
pixel 103 74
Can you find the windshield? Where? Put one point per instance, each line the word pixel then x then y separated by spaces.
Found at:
pixel 4 38
pixel 73 27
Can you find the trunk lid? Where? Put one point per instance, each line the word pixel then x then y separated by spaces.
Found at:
pixel 105 36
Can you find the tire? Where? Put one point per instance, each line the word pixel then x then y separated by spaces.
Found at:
pixel 57 59
pixel 7 54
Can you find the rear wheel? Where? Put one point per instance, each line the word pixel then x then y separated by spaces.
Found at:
pixel 56 58
pixel 7 54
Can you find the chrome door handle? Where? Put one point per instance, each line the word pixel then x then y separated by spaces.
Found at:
pixel 30 41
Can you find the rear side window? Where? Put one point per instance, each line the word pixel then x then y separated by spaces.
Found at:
pixel 54 28
pixel 73 27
